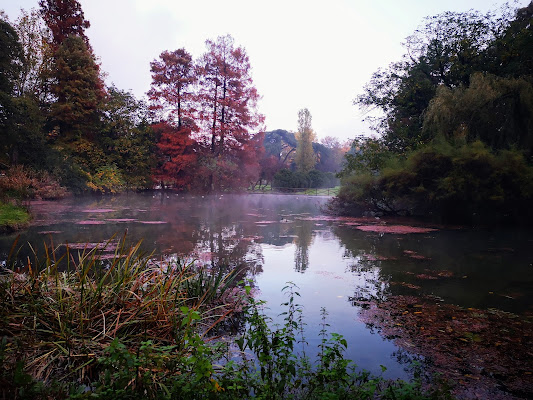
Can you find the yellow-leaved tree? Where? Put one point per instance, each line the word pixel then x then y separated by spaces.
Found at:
pixel 305 156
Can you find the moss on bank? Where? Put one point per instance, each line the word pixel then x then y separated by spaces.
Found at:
pixel 13 217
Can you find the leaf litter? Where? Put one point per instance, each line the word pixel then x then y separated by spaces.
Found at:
pixel 483 353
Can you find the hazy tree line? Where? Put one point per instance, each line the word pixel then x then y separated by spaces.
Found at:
pixel 63 128
pixel 455 129
pixel 297 160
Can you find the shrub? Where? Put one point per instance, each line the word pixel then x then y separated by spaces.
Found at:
pixel 23 183
pixel 286 178
pixel 467 183
pixel 107 179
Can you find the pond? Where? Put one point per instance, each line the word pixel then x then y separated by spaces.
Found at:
pixel 458 297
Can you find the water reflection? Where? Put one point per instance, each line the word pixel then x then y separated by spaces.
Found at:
pixel 303 240
pixel 275 239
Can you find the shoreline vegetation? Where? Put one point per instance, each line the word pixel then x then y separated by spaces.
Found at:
pixel 454 136
pixel 454 144
pixel 453 139
pixel 13 217
pixel 76 326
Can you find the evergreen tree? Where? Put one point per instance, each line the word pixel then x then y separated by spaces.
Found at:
pixel 10 61
pixel 79 90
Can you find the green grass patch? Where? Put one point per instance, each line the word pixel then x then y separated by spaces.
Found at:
pixel 322 191
pixel 334 191
pixel 13 217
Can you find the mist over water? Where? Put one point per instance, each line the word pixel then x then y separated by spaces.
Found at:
pixel 276 239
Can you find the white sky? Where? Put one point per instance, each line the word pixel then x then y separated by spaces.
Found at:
pixel 304 53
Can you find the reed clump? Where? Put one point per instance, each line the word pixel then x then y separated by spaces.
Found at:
pixel 61 318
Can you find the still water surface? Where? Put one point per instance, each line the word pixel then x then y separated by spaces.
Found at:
pixel 287 238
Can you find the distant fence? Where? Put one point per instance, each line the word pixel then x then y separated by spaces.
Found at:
pixel 302 191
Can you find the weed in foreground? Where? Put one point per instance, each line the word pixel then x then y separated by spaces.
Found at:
pixel 61 317
pixel 136 329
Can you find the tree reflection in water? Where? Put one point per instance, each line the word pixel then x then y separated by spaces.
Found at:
pixel 274 239
pixel 304 238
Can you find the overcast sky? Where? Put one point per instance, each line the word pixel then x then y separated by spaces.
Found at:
pixel 304 53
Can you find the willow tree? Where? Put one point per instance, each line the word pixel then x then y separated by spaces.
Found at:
pixel 498 111
pixel 445 51
pixel 305 156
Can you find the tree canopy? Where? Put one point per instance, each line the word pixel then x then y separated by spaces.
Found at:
pixel 456 119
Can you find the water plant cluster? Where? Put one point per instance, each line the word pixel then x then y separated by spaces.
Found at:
pixel 76 326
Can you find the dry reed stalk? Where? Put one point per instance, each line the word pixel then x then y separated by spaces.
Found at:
pixel 59 323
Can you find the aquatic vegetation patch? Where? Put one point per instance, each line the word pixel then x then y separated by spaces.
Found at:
pixel 251 238
pixel 437 274
pixel 107 246
pixel 329 274
pixel 486 353
pixel 415 255
pixel 354 220
pixel 375 257
pixel 406 284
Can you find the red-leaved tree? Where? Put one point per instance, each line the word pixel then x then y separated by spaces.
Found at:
pixel 228 116
pixel 64 18
pixel 177 156
pixel 172 98
pixel 172 91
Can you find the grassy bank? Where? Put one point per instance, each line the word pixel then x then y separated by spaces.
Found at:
pixel 297 191
pixel 79 326
pixel 13 217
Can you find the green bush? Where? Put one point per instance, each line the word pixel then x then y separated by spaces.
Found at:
pixel 286 178
pixel 465 183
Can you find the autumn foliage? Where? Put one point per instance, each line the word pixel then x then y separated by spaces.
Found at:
pixel 64 18
pixel 210 130
pixel 178 148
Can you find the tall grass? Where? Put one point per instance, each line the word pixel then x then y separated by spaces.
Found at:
pixel 62 313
